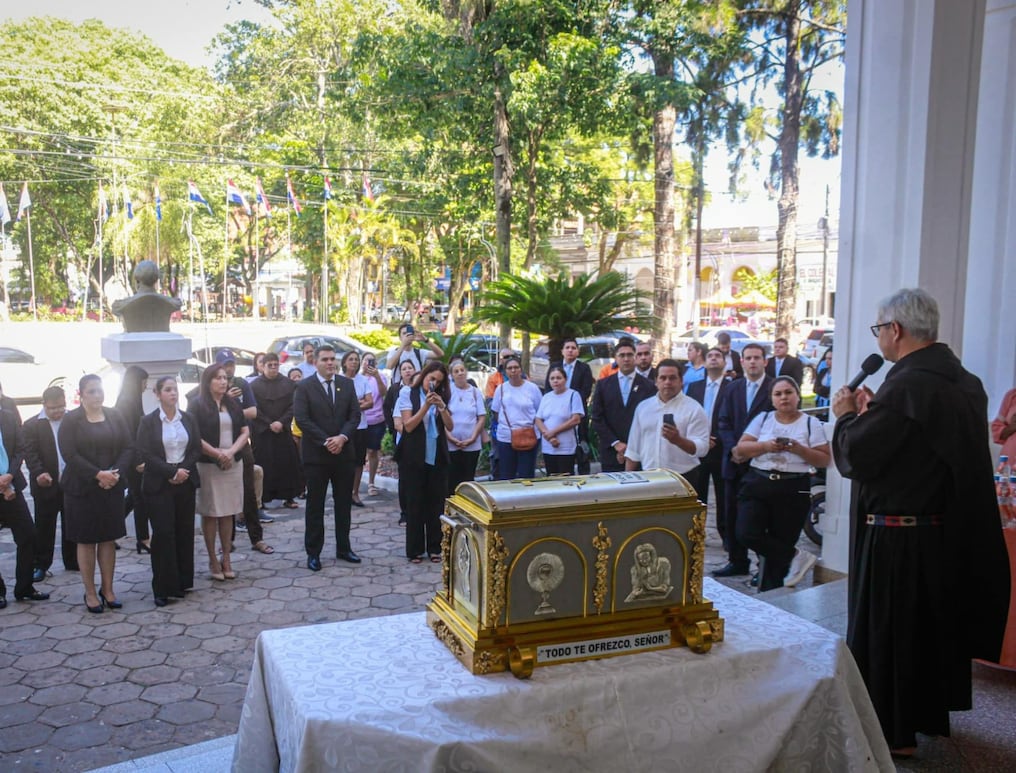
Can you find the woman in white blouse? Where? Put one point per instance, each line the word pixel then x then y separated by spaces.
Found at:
pixel 469 416
pixel 516 402
pixel 559 413
pixel 772 503
pixel 169 444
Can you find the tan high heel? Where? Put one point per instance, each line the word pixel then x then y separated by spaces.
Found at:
pixel 228 574
pixel 215 570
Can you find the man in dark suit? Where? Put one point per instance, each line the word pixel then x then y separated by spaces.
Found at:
pixel 45 466
pixel 327 411
pixel 644 361
pixel 733 359
pixel 14 510
pixel 742 401
pixel 580 378
pixel 708 392
pixel 782 363
pixel 614 405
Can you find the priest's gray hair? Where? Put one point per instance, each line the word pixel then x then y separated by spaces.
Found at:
pixel 914 310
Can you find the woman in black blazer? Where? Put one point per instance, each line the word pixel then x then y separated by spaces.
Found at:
pixel 128 403
pixel 97 449
pixel 169 444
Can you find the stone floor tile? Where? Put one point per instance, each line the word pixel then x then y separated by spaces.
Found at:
pixel 93 659
pixel 223 694
pixel 100 675
pixel 16 738
pixel 32 631
pixel 14 693
pixel 40 660
pixel 117 692
pixel 81 735
pixel 140 659
pixel 73 630
pixel 128 712
pixel 10 676
pixel 154 675
pixel 224 644
pixel 92 757
pixel 176 644
pixel 127 644
pixel 235 617
pixel 169 693
pixel 58 695
pixel 271 583
pixel 69 714
pixel 81 644
pixel 144 735
pixel 184 615
pixel 190 659
pixel 206 730
pixel 47 677
pixel 208 630
pixel 186 712
pixel 392 601
pixel 13 714
pixel 116 630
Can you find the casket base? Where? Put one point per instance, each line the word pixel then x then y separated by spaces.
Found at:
pixel 522 648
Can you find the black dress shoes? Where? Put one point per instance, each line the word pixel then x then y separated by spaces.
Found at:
pixel 161 601
pixel 38 575
pixel 732 570
pixel 314 563
pixel 351 557
pixel 34 595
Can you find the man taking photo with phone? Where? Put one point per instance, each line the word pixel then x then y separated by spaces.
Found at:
pixel 669 430
pixel 414 346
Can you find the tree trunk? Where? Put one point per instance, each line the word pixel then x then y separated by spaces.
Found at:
pixel 532 238
pixel 663 240
pixel 503 174
pixel 786 233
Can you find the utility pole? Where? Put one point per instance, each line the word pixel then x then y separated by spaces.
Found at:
pixel 825 255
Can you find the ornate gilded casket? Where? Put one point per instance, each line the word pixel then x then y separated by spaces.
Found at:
pixel 553 570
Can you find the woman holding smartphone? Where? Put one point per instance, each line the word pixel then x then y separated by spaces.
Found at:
pixel 783 445
pixel 374 416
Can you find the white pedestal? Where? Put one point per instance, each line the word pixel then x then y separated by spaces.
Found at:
pixel 159 353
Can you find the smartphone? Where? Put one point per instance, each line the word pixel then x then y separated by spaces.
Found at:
pixel 783 441
pixel 668 418
pixel 430 387
pixel 410 330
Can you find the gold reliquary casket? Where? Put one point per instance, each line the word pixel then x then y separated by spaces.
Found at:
pixel 554 570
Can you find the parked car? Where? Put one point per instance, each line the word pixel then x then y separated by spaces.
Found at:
pixel 812 348
pixel 25 378
pixel 244 357
pixel 392 312
pixel 597 351
pixel 811 363
pixel 438 312
pixel 707 335
pixel 290 348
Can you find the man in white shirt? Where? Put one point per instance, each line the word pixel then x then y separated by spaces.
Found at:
pixel 409 337
pixel 308 367
pixel 669 430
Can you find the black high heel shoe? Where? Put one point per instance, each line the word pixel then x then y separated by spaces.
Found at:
pixel 143 548
pixel 110 604
pixel 93 610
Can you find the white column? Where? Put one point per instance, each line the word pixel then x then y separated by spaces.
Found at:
pixel 910 113
pixel 989 337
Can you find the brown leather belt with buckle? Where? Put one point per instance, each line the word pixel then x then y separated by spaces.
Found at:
pixel 903 520
pixel 778 475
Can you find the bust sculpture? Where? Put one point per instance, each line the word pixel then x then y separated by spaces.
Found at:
pixel 147 310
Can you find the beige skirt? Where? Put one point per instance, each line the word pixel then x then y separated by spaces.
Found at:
pixel 221 492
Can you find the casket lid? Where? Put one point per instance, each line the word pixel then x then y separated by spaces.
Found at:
pixel 508 496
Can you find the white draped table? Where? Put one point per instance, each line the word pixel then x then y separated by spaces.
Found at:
pixel 383 694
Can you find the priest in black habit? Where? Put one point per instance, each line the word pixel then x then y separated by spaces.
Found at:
pixel 929 578
pixel 271 432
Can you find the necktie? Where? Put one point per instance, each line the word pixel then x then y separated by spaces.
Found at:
pixel 331 394
pixel 752 389
pixel 4 461
pixel 710 397
pixel 568 371
pixel 625 388
pixel 779 365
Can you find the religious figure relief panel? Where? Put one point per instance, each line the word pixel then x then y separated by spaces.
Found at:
pixel 546 580
pixel 651 568
pixel 465 573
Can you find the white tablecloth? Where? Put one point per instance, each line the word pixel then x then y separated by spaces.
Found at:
pixel 383 694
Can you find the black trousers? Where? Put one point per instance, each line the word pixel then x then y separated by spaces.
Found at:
pixel 47 510
pixel 135 501
pixel 426 485
pixel 14 515
pixel 250 500
pixel 711 469
pixel 770 516
pixel 737 553
pixel 340 475
pixel 559 464
pixel 461 467
pixel 172 517
pixel 583 465
pixel 608 460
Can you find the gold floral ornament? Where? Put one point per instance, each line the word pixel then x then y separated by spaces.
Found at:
pixel 602 543
pixel 497 577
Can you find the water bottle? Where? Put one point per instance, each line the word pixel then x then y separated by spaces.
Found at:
pixel 1010 520
pixel 1003 469
pixel 1000 498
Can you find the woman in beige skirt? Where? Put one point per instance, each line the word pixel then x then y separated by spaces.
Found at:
pixel 224 433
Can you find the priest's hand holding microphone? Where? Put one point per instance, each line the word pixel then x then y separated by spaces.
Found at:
pixel 850 399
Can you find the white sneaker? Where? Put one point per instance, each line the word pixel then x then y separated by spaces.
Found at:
pixel 800 566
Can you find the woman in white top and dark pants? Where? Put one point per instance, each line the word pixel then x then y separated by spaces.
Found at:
pixel 560 412
pixel 516 402
pixel 772 503
pixel 169 444
pixel 469 416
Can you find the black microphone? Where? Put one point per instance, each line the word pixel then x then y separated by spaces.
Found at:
pixel 870 365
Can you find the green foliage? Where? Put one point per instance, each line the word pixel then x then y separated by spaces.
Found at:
pixel 379 340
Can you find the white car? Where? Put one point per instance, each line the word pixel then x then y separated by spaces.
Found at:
pixel 25 378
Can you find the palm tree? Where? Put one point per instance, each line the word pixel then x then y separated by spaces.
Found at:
pixel 559 307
